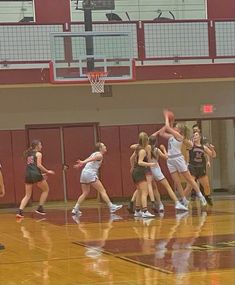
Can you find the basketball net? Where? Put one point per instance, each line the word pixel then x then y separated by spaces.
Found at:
pixel 97 80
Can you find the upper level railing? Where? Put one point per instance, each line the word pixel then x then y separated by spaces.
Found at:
pixel 192 41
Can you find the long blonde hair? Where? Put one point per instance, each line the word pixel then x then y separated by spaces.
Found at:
pixel 184 130
pixel 143 140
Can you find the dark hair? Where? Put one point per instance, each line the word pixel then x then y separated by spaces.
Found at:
pixel 152 143
pixel 32 147
pixel 195 126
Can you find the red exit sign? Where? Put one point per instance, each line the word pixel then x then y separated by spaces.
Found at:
pixel 208 108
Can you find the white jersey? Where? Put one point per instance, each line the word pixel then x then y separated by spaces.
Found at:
pixel 93 166
pixel 174 147
pixel 153 159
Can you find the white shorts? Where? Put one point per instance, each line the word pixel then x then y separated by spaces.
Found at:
pixel 157 173
pixel 88 177
pixel 177 164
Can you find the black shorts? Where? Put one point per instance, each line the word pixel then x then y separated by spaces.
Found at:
pixel 139 174
pixel 197 172
pixel 33 177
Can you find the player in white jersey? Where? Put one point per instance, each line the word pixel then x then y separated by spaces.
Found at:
pixel 176 162
pixel 89 177
pixel 157 173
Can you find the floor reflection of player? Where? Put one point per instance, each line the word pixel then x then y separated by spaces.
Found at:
pixel 43 244
pixel 97 262
pixel 166 244
pixel 182 247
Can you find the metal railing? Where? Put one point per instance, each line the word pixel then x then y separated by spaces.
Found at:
pixel 29 43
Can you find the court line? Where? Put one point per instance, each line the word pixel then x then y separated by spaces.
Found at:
pixel 124 258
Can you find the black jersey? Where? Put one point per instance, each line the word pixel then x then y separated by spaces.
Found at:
pixel 197 156
pixel 33 173
pixel 139 172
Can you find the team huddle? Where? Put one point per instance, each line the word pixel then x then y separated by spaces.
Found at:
pixel 145 171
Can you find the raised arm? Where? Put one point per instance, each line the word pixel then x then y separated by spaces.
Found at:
pixel 134 146
pixel 80 163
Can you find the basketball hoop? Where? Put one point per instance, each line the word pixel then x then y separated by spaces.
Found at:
pixel 97 80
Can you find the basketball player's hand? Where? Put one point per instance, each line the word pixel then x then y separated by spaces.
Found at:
pixel 211 146
pixel 208 164
pixel 78 164
pixel 51 172
pixel 162 147
pixel 165 113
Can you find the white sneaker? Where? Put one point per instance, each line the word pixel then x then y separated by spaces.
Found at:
pixel 114 208
pixel 76 212
pixel 203 201
pixel 161 207
pixel 138 214
pixel 179 206
pixel 184 202
pixel 147 214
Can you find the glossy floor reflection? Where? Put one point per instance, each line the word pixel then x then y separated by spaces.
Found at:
pixel 98 248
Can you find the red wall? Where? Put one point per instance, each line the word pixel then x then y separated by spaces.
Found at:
pixel 78 142
pixel 52 11
pixel 220 9
pixel 7 167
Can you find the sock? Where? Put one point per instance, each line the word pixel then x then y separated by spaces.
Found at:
pixel 144 209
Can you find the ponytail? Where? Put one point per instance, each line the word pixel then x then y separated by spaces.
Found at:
pixel 32 147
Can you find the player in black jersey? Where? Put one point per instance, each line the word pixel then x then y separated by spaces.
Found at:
pixel 206 160
pixel 2 193
pixel 139 169
pixel 197 164
pixel 35 174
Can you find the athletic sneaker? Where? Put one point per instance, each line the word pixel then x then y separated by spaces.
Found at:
pixel 40 210
pixel 185 202
pixel 147 214
pixel 209 200
pixel 2 246
pixel 76 212
pixel 161 207
pixel 138 214
pixel 203 201
pixel 20 214
pixel 114 208
pixel 179 206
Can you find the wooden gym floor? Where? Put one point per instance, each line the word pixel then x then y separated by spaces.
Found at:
pixel 197 248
